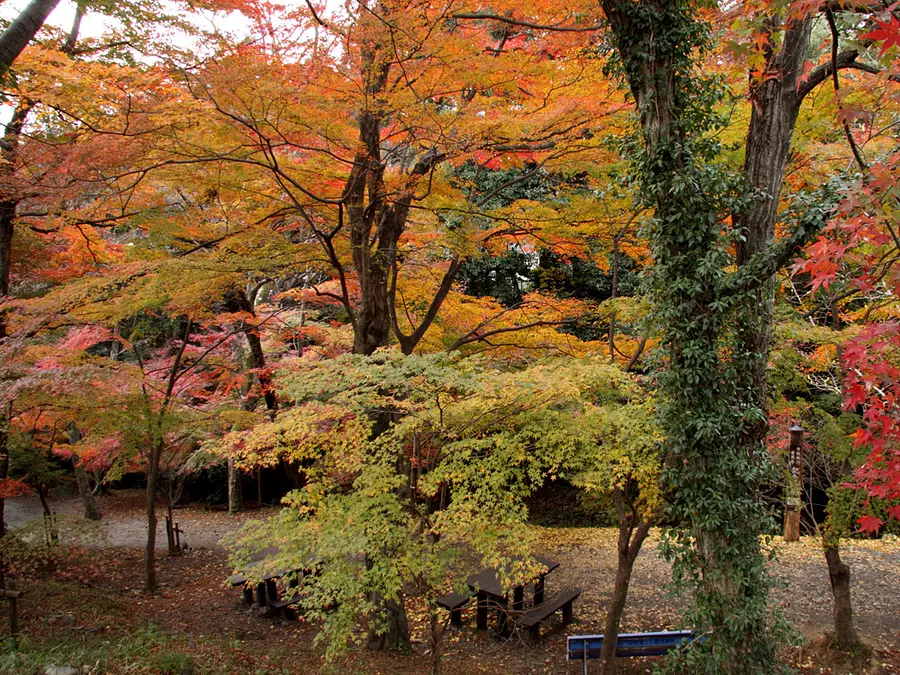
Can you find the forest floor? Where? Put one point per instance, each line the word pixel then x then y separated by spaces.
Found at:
pixel 92 610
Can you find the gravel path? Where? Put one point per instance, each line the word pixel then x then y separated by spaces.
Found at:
pixel 124 522
pixel 588 557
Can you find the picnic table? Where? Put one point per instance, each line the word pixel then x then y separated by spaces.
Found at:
pixel 487 585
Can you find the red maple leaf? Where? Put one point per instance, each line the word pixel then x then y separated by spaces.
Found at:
pixel 889 32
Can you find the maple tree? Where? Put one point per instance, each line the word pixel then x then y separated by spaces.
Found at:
pixel 472 441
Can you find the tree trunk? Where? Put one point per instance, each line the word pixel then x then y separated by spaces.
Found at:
pixel 235 494
pixel 172 547
pixel 437 629
pixel 631 538
pixel 150 548
pixel 21 31
pixel 776 104
pixel 91 510
pixel 4 474
pixel 393 633
pixel 845 634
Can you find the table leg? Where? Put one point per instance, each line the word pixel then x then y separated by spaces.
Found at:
pixel 271 590
pixel 261 594
pixel 519 598
pixel 503 616
pixel 539 591
pixel 248 594
pixel 482 611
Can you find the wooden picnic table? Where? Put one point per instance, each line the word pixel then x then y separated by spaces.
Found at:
pixel 489 588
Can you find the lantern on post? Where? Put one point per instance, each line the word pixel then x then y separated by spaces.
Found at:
pixel 795 485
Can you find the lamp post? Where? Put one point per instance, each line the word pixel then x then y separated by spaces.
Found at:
pixel 794 486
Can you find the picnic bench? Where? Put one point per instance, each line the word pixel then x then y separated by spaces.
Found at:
pixel 533 618
pixel 266 589
pixel 585 647
pixel 491 593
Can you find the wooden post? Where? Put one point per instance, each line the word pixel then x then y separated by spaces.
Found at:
pixel 795 486
pixel 178 532
pixel 503 617
pixel 271 591
pixel 12 597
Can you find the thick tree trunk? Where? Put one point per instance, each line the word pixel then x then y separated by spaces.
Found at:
pixel 776 104
pixel 845 634
pixel 631 538
pixel 393 633
pixel 21 31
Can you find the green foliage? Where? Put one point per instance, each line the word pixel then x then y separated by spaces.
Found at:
pixel 135 652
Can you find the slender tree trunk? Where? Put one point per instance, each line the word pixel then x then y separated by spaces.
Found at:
pixel 21 31
pixel 4 474
pixel 631 537
pixel 150 548
pixel 235 494
pixel 170 526
pixel 91 510
pixel 845 634
pixel 156 450
pixel 4 469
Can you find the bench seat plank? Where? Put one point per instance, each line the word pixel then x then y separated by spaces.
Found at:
pixel 534 617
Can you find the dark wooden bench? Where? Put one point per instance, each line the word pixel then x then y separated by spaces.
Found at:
pixel 532 619
pixel 584 647
pixel 454 602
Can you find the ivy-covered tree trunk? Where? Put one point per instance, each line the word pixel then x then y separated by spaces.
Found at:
pixel 392 633
pixel 245 302
pixel 714 486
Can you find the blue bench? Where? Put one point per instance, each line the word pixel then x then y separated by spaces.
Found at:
pixel 584 647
